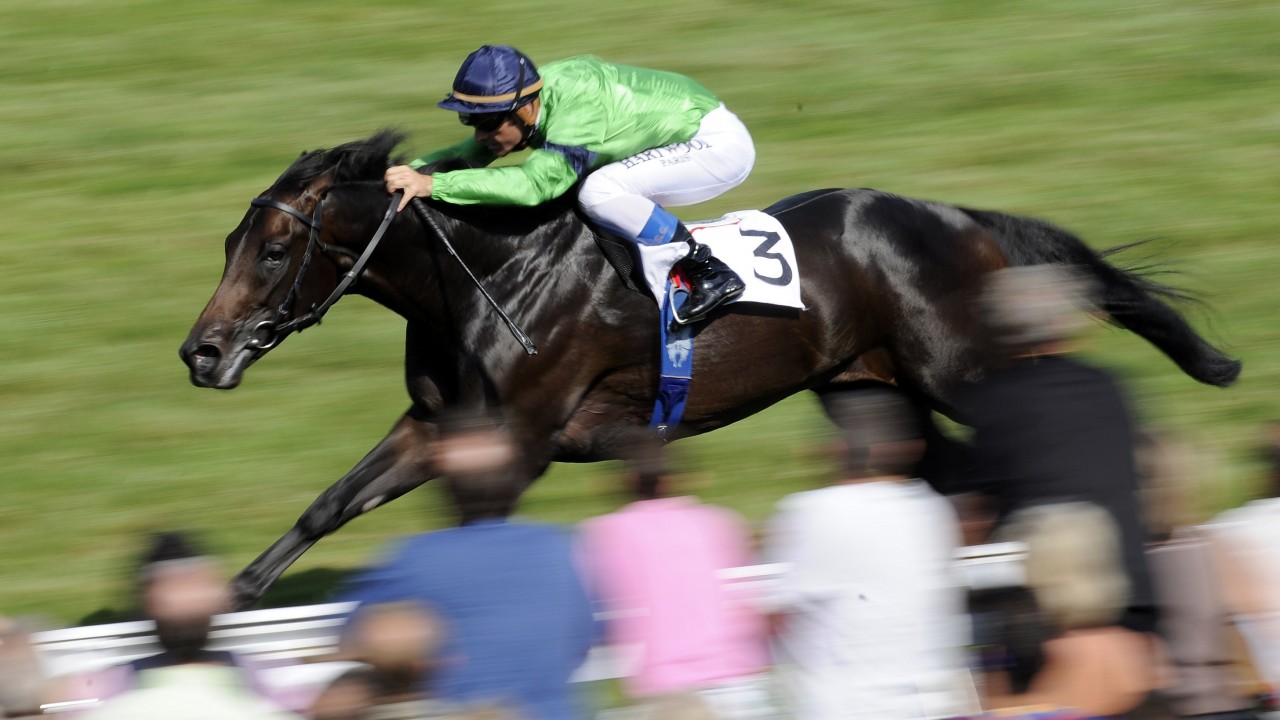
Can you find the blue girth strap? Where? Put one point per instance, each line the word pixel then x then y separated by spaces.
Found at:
pixel 677 367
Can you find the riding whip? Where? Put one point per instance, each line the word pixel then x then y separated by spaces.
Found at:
pixel 421 209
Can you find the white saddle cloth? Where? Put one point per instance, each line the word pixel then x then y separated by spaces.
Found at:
pixel 753 244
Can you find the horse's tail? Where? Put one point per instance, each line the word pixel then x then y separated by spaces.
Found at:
pixel 1131 300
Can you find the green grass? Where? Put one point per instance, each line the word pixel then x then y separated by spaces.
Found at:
pixel 133 133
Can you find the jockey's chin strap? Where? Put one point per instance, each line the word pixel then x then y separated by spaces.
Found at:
pixel 269 333
pixel 527 125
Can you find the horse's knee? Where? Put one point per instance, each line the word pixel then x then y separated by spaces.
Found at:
pixel 323 517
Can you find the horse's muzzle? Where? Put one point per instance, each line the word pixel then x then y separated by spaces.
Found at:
pixel 202 359
pixel 214 366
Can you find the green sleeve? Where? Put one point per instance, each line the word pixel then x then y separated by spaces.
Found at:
pixel 545 175
pixel 468 149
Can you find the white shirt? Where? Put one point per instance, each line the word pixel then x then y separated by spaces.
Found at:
pixel 875 613
pixel 1251 534
pixel 191 692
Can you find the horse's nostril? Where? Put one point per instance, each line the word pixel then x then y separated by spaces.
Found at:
pixel 205 356
pixel 208 351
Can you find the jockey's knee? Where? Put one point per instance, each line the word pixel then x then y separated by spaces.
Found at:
pixel 620 212
pixel 596 190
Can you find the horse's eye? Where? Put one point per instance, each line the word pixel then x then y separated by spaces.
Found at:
pixel 273 255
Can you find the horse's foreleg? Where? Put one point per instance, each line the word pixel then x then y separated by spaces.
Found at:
pixel 400 463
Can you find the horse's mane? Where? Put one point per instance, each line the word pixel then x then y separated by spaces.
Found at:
pixel 356 161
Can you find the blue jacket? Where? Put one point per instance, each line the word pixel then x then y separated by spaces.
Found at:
pixel 518 620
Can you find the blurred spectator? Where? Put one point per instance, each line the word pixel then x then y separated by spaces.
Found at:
pixel 976 517
pixel 1091 666
pixel 657 565
pixel 181 593
pixel 1212 674
pixel 984 564
pixel 399 645
pixel 1009 635
pixel 1049 428
pixel 167 554
pixel 24 684
pixel 1249 540
pixel 871 619
pixel 349 696
pixel 679 706
pixel 519 622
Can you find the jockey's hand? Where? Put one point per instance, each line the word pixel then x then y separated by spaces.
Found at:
pixel 413 183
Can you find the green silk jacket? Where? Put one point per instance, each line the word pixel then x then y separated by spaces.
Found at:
pixel 593 113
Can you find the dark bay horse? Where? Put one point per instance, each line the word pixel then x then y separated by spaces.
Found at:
pixel 888 283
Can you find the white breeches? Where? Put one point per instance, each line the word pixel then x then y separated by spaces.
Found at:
pixel 622 195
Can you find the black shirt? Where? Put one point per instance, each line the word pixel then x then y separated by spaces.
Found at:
pixel 1052 429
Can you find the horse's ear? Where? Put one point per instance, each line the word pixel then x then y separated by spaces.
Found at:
pixel 322 183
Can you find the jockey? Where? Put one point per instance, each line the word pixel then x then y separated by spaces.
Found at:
pixel 639 137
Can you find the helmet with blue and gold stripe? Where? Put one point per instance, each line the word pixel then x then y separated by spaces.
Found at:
pixel 493 79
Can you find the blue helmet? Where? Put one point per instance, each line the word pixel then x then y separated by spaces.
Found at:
pixel 495 78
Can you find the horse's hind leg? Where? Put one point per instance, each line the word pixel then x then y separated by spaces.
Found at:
pixel 400 463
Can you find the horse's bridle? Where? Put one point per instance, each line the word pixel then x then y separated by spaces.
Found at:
pixel 269 333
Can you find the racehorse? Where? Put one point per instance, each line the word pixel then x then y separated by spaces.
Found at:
pixel 888 283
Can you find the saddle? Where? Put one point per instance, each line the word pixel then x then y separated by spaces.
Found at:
pixel 623 255
pixel 753 241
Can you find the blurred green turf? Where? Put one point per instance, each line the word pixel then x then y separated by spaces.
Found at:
pixel 133 133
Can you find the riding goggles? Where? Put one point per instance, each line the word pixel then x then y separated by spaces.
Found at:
pixel 484 122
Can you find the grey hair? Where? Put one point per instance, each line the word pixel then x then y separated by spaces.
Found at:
pixel 1073 562
pixel 1025 307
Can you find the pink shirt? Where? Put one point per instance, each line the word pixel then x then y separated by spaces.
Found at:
pixel 655 566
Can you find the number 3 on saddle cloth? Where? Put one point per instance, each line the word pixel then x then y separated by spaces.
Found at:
pixel 755 246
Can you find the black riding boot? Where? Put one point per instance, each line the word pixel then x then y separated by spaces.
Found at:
pixel 712 282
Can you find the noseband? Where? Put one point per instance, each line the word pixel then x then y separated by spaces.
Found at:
pixel 269 333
